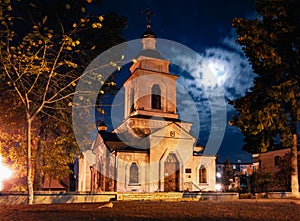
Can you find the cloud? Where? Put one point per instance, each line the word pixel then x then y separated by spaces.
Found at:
pixel 223 68
pixel 218 73
pixel 232 70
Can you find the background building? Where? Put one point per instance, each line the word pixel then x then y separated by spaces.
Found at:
pixel 273 168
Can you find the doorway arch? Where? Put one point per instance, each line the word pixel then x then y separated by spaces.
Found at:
pixel 171 173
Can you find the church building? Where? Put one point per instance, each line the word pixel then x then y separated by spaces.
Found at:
pixel 152 150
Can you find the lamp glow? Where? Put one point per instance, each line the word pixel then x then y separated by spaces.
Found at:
pixel 218 187
pixel 5 173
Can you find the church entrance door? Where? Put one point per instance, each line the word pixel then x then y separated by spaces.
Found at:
pixel 171 171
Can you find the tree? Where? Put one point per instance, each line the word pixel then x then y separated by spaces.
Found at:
pixel 284 173
pixel 43 54
pixel 228 175
pixel 261 181
pixel 269 112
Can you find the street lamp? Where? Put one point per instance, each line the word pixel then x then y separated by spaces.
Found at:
pixel 5 173
pixel 218 186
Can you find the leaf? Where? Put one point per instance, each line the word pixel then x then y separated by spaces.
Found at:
pixel 101 18
pixel 45 19
pixel 71 64
pixel 96 25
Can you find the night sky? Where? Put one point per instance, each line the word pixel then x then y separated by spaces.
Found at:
pixel 205 27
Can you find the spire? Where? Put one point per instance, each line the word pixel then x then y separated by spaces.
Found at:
pixel 149 38
pixel 148 14
pixel 148 33
pixel 101 125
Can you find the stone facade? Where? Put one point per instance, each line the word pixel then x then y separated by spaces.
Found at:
pixel 152 150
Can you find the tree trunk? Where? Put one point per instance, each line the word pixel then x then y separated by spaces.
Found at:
pixel 29 166
pixel 294 167
pixel 38 181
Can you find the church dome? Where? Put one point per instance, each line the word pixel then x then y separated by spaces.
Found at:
pixel 149 42
pixel 148 34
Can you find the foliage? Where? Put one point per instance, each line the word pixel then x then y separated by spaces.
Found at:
pixel 261 181
pixel 12 139
pixel 228 174
pixel 44 48
pixel 271 43
pixel 283 175
pixel 268 114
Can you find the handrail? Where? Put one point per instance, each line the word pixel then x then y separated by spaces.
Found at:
pixel 194 184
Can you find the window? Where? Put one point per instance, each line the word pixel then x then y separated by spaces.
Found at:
pixel 202 175
pixel 188 170
pixel 276 160
pixel 132 101
pixel 134 173
pixel 156 97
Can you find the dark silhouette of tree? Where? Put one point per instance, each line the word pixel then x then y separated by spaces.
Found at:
pixel 268 114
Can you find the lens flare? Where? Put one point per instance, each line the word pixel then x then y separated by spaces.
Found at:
pixel 5 173
pixel 218 187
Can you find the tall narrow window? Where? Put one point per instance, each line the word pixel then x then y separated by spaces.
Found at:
pixel 132 101
pixel 134 173
pixel 156 97
pixel 202 175
pixel 276 160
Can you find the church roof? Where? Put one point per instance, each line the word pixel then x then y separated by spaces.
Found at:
pixel 101 123
pixel 122 142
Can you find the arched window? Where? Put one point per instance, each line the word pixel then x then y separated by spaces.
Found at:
pixel 202 175
pixel 156 97
pixel 134 173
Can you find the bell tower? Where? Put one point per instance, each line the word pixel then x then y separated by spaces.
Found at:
pixel 151 89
